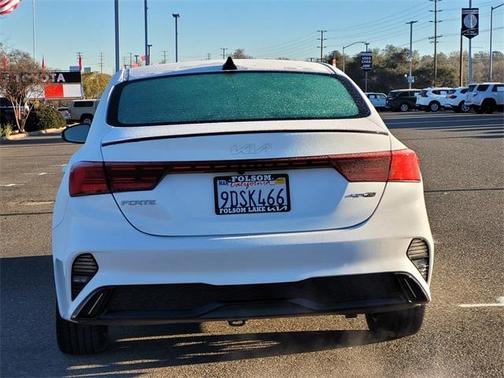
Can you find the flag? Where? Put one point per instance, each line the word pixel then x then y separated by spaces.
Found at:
pixel 7 6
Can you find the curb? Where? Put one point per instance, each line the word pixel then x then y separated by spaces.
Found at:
pixel 34 133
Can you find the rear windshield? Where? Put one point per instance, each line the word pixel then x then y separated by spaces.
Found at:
pixel 237 96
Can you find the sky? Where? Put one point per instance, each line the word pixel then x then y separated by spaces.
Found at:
pixel 264 28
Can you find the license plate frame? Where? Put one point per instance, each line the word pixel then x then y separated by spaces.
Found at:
pixel 267 187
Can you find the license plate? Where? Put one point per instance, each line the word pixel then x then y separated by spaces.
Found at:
pixel 251 194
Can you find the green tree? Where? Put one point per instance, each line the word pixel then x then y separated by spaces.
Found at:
pixel 94 84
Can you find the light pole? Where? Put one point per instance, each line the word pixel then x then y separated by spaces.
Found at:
pixel 470 65
pixel 490 71
pixel 116 19
pixel 410 78
pixel 148 53
pixel 176 17
pixel 147 57
pixel 347 46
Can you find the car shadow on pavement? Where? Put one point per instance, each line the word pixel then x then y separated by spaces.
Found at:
pixel 29 347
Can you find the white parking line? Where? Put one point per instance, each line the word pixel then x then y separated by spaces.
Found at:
pixel 500 303
pixel 9 185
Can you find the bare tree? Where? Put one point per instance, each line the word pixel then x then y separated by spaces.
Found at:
pixel 240 54
pixel 20 80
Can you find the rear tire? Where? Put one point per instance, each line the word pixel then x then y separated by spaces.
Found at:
pixel 488 106
pixel 87 118
pixel 396 324
pixel 434 106
pixel 463 107
pixel 80 339
pixel 404 107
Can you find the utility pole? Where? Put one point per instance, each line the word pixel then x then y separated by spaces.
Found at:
pixel 490 71
pixel 147 57
pixel 461 60
pixel 136 59
pixel 322 39
pixel 223 52
pixel 116 29
pixel 176 17
pixel 164 56
pixel 130 59
pixel 101 62
pixel 34 39
pixel 149 52
pixel 410 78
pixel 209 56
pixel 435 37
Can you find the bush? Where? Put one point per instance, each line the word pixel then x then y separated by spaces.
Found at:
pixel 5 129
pixel 45 117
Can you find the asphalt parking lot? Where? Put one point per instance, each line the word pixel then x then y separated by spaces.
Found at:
pixel 462 157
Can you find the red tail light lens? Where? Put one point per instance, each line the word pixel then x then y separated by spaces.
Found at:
pixel 404 166
pixel 88 178
pixel 134 176
pixel 366 167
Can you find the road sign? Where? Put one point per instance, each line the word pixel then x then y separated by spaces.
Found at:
pixel 411 79
pixel 470 22
pixel 366 60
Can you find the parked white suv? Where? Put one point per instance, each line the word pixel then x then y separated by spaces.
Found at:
pixel 433 99
pixel 487 97
pixel 457 100
pixel 83 110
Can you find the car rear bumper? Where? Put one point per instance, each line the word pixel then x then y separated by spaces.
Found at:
pixel 156 304
pixel 128 258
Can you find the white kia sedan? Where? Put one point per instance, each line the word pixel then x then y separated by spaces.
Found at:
pixel 236 190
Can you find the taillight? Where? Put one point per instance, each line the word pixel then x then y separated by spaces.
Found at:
pixel 88 178
pixel 404 166
pixel 125 177
pixel 366 167
pixel 97 178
